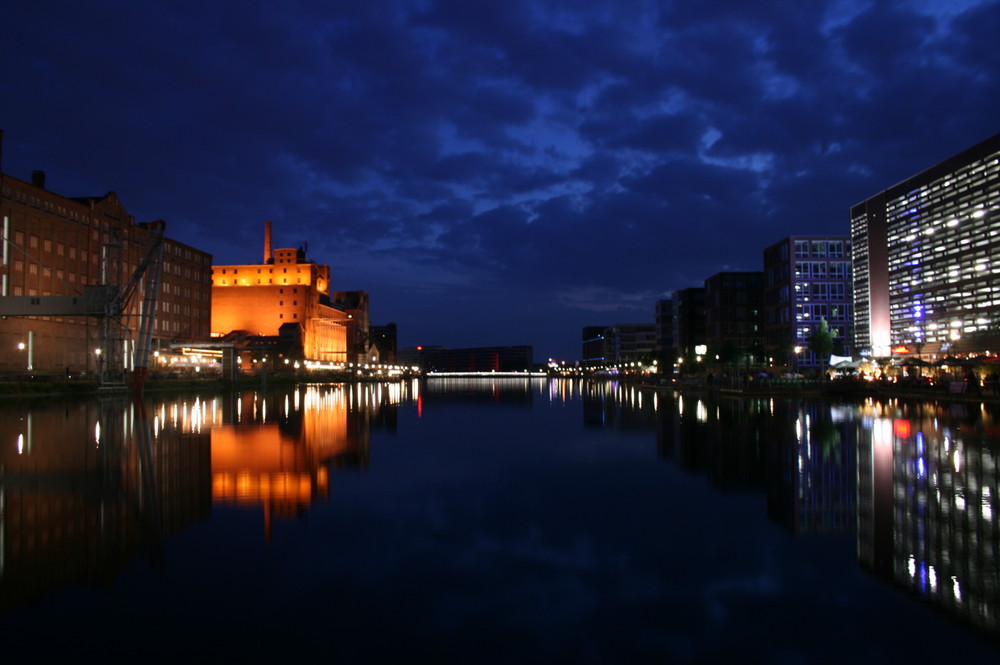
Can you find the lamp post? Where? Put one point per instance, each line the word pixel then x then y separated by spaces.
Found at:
pixel 31 349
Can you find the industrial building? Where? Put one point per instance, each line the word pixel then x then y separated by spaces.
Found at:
pixel 60 247
pixel 286 299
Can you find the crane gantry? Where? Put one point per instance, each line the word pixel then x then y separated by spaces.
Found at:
pixel 114 304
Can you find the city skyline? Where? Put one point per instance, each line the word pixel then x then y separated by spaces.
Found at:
pixel 497 175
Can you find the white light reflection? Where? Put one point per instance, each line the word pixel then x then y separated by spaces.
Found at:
pixel 20 444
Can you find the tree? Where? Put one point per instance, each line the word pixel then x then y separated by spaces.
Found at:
pixel 821 343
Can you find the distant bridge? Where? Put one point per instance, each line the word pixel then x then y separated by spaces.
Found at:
pixel 486 375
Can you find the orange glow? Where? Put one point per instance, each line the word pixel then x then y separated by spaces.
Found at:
pixel 900 349
pixel 259 298
pixel 901 428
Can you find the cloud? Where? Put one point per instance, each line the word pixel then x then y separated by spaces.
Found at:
pixel 476 152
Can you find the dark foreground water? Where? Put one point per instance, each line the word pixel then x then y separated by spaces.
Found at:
pixel 498 522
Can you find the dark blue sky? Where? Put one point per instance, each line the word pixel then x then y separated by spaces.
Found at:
pixel 496 173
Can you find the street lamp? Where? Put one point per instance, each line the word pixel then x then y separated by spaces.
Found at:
pixel 31 349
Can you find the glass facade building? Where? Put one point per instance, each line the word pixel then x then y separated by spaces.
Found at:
pixel 808 280
pixel 927 259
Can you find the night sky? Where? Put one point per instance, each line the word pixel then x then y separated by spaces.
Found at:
pixel 496 173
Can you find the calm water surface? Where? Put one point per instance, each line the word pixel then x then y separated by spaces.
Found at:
pixel 499 522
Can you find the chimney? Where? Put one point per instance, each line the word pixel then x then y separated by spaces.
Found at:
pixel 267 241
pixel 38 179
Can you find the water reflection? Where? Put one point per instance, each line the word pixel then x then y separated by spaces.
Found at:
pixel 916 482
pixel 927 488
pixel 87 486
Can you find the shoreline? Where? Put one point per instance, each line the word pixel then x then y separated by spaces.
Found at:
pixel 59 388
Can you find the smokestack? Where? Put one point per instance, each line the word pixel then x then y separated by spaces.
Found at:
pixel 38 179
pixel 267 241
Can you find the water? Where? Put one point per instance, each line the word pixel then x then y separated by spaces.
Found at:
pixel 495 522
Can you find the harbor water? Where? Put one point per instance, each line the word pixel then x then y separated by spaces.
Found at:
pixel 498 521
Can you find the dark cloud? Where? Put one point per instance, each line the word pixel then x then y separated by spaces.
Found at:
pixel 497 173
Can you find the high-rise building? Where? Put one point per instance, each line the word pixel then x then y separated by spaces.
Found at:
pixel 59 246
pixel 808 280
pixel 927 259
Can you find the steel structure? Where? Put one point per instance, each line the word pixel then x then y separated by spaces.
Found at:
pixel 112 303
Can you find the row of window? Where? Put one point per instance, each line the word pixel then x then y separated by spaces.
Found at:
pixel 822 270
pixel 270 271
pixel 834 249
pixel 243 282
pixel 817 311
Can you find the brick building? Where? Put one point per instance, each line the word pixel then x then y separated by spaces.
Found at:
pixel 57 246
pixel 286 288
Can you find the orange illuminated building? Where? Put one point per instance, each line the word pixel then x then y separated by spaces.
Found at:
pixel 259 299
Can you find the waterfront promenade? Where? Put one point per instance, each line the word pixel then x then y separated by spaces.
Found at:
pixel 951 390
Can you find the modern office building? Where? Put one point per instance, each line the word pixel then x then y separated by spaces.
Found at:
pixel 689 320
pixel 927 259
pixel 59 246
pixel 734 316
pixel 808 279
pixel 630 342
pixel 663 319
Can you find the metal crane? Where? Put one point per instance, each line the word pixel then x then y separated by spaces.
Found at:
pixel 112 305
